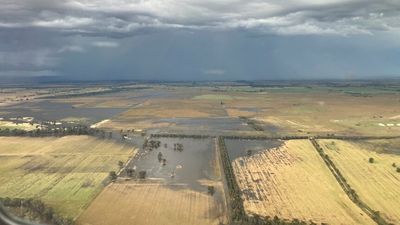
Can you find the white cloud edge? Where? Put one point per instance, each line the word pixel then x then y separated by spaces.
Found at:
pixel 105 44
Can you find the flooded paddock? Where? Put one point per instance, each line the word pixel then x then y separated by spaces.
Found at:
pixel 49 110
pixel 191 164
pixel 210 126
pixel 240 147
pixel 179 184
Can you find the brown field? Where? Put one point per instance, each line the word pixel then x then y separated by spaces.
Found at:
pixel 299 111
pixel 292 182
pixel 17 95
pixel 152 204
pixel 170 108
pixel 10 96
pixel 66 173
pixel 145 115
pixel 376 183
pixel 321 112
pixel 100 102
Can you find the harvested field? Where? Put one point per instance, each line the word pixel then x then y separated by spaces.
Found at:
pixel 152 204
pixel 376 183
pixel 66 173
pixel 292 182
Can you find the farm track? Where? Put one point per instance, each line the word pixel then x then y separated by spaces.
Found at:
pixel 351 193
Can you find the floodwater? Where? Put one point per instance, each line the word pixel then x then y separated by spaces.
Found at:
pixel 136 140
pixel 252 109
pixel 48 110
pixel 213 126
pixel 189 166
pixel 238 148
pixel 210 126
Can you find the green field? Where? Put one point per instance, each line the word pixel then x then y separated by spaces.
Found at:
pixel 65 173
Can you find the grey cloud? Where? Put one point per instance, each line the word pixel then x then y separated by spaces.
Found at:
pixel 71 48
pixel 72 36
pixel 24 73
pixel 31 59
pixel 122 17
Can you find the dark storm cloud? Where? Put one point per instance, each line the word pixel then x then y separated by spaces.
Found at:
pixel 122 17
pixel 41 35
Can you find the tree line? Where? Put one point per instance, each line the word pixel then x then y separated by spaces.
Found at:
pixel 37 209
pixel 351 193
pixel 56 132
pixel 197 136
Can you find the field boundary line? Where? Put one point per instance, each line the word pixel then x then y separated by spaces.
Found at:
pixel 236 208
pixel 104 184
pixel 238 214
pixel 132 157
pixel 350 192
pixel 224 182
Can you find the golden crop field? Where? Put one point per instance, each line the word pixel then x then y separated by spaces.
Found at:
pixel 376 183
pixel 152 204
pixel 292 182
pixel 66 173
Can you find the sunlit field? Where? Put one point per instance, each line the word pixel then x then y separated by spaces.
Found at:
pixel 65 173
pixel 374 176
pixel 292 182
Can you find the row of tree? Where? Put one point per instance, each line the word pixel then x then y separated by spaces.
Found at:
pixel 36 210
pixel 259 137
pixel 152 144
pixel 57 132
pixel 375 215
pixel 180 136
pixel 235 201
